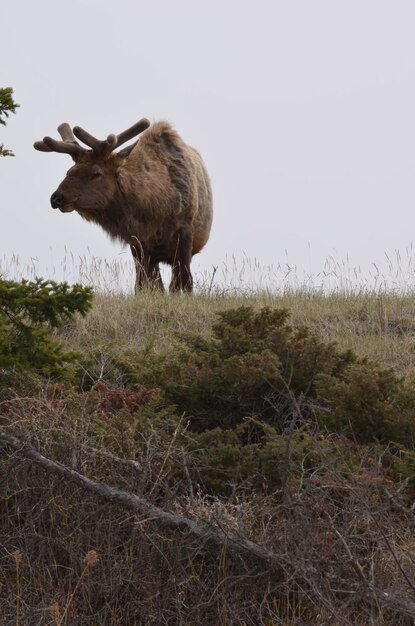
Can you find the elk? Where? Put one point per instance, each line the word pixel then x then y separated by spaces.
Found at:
pixel 154 195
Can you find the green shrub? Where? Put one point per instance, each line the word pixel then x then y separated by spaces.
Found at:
pixel 256 364
pixel 225 463
pixel 266 403
pixel 369 403
pixel 29 311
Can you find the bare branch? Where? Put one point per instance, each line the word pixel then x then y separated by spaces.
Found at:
pixel 114 457
pixel 241 547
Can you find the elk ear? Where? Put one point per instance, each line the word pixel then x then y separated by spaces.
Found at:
pixel 121 179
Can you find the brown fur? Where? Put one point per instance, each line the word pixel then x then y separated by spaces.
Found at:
pixel 154 196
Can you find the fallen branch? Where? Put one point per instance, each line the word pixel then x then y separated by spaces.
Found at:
pixel 210 536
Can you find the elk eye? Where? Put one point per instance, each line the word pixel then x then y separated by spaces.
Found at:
pixel 96 173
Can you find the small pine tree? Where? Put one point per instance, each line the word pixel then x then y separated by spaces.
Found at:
pixel 29 311
pixel 7 106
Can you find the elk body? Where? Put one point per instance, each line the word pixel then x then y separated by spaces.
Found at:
pixel 153 195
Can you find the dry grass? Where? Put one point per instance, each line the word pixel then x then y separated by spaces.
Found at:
pixel 381 327
pixel 372 312
pixel 113 275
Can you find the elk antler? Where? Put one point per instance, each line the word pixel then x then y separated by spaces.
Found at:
pixel 69 144
pixel 112 141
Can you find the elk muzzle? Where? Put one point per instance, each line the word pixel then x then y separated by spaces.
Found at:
pixel 57 201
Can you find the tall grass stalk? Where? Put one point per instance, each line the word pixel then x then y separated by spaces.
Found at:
pixel 394 273
pixel 17 555
pixel 90 559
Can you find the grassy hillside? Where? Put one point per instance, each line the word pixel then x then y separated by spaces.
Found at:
pixel 377 326
pixel 286 464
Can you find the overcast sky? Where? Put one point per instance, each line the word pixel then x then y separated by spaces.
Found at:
pixel 304 111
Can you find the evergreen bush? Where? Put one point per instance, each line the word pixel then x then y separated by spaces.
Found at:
pixel 29 311
pixel 256 364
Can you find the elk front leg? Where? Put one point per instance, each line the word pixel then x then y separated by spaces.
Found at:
pixel 181 274
pixel 147 273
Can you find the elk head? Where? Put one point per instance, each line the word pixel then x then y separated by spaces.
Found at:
pixel 91 183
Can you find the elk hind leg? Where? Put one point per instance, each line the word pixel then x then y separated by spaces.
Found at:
pixel 181 275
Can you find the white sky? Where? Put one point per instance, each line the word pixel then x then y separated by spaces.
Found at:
pixel 304 111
